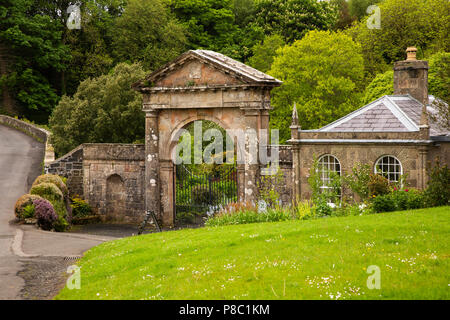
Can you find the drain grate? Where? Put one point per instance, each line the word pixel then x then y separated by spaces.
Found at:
pixel 72 258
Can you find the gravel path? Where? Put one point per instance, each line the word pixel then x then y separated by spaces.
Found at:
pixel 44 277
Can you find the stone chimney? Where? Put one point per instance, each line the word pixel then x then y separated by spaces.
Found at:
pixel 411 76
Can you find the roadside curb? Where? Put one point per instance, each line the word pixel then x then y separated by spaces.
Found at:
pixel 16 246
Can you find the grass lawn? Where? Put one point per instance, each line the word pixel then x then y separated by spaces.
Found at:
pixel 314 259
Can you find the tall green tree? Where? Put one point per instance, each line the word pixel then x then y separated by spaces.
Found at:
pixel 104 109
pixel 31 54
pixel 323 74
pixel 439 75
pixel 292 19
pixel 358 8
pixel 381 85
pixel 404 23
pixel 214 25
pixel 91 45
pixel 264 53
pixel 149 33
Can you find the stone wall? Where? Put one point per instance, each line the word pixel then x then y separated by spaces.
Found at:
pixel 113 176
pixel 71 167
pixel 282 182
pixel 38 133
pixel 110 177
pixel 351 154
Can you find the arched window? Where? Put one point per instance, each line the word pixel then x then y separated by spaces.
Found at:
pixel 389 167
pixel 327 165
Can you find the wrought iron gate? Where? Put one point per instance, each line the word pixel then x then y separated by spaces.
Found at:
pixel 203 193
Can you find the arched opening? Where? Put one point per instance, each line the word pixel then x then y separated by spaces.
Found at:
pixel 389 167
pixel 329 168
pixel 205 178
pixel 115 198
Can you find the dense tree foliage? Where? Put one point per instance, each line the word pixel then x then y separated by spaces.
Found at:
pixel 42 59
pixel 323 74
pixel 104 109
pixel 358 8
pixel 148 32
pixel 438 80
pixel 439 75
pixel 31 54
pixel 293 18
pixel 381 85
pixel 404 23
pixel 264 53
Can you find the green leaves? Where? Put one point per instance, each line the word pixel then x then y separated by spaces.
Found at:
pixel 147 32
pixel 383 84
pixel 104 109
pixel 323 73
pixel 404 23
pixel 292 19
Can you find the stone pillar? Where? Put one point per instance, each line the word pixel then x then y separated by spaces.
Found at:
pixel 296 185
pixel 295 136
pixel 152 182
pixel 252 167
pixel 167 192
pixel 240 182
pixel 423 176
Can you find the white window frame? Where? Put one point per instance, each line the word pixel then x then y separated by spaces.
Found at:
pixel 387 174
pixel 323 173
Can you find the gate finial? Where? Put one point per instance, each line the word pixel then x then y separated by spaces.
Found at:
pixel 295 127
pixel 294 116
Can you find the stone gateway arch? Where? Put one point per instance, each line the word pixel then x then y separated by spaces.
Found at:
pixel 199 85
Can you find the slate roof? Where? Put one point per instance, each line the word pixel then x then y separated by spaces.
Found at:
pixel 392 113
pixel 246 73
pixel 235 66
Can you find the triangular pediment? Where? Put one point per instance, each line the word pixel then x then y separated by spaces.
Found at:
pixel 203 68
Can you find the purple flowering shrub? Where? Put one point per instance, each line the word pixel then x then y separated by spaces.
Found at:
pixel 45 214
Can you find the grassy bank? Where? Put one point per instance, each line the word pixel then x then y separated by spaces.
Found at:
pixel 315 259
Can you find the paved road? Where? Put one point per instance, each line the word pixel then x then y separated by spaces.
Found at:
pixel 21 245
pixel 20 159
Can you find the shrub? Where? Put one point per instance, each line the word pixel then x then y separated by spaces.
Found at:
pixel 80 208
pixel 56 180
pixel 322 207
pixel 186 216
pixel 28 211
pixel 201 195
pixel 399 200
pixel 48 191
pixel 45 214
pixel 416 199
pixel 437 192
pixel 304 210
pixel 245 214
pixel 378 185
pixel 60 225
pixel 383 203
pixel 359 180
pixel 22 202
pixel 52 193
